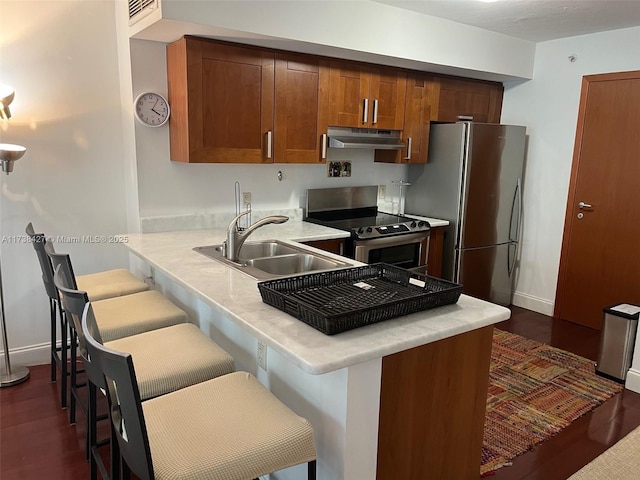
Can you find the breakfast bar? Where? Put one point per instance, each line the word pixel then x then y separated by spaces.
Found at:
pixel 403 398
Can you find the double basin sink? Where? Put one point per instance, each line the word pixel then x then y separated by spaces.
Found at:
pixel 271 259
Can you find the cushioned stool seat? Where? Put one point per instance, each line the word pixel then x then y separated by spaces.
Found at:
pixel 134 314
pixel 111 283
pixel 227 428
pixel 172 358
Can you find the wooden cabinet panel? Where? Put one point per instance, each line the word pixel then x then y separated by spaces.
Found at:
pixel 387 88
pixel 222 101
pixel 333 245
pixel 432 409
pixel 455 97
pixel 300 108
pixel 436 242
pixel 348 87
pixel 417 116
pixel 354 91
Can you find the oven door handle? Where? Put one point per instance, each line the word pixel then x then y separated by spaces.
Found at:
pixel 393 240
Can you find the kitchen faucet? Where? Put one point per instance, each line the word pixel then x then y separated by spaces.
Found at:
pixel 237 237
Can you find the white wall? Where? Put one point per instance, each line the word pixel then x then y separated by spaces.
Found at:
pixel 548 106
pixel 61 59
pixel 354 29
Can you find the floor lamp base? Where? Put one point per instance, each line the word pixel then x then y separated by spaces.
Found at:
pixel 17 375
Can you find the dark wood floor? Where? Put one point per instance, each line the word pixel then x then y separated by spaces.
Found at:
pixel 37 442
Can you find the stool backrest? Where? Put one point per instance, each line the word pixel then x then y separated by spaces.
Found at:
pixel 38 240
pixel 74 302
pixel 125 406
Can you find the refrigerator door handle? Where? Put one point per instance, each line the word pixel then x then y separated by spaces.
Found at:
pixel 511 262
pixel 517 198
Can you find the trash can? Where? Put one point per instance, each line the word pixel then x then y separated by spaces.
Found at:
pixel 617 339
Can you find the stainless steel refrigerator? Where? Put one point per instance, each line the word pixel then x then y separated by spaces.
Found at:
pixel 473 179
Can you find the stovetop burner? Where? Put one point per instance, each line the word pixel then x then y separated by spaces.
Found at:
pixel 372 225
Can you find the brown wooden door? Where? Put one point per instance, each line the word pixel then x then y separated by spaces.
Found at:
pixel 475 99
pixel 300 109
pixel 348 87
pixel 417 116
pixel 386 98
pixel 227 111
pixel 600 261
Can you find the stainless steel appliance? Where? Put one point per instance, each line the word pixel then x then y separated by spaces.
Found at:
pixel 473 179
pixel 375 236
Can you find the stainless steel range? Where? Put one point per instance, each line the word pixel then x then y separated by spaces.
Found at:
pixel 375 236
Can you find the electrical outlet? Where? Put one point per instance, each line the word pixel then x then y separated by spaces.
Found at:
pixel 246 198
pixel 262 355
pixel 382 191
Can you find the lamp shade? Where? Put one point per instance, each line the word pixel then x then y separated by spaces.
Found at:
pixel 9 153
pixel 7 94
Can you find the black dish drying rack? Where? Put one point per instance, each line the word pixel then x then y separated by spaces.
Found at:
pixel 340 300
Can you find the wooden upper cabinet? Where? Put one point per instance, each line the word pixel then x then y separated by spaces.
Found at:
pixel 300 109
pixel 221 99
pixel 417 116
pixel 366 96
pixel 475 100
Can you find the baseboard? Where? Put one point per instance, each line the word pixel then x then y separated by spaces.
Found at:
pixel 530 302
pixel 633 380
pixel 29 355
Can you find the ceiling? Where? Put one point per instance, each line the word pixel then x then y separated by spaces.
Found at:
pixel 534 20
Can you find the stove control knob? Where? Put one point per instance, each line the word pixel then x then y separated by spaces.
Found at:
pixel 369 229
pixel 422 224
pixel 360 230
pixel 413 224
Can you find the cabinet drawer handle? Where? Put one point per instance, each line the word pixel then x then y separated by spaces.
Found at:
pixel 375 111
pixel 465 118
pixel 365 110
pixel 408 157
pixel 269 143
pixel 324 146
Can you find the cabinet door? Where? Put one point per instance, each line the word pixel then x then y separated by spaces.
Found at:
pixel 333 245
pixel 417 116
pixel 387 98
pixel 472 99
pixel 300 109
pixel 224 102
pixel 348 89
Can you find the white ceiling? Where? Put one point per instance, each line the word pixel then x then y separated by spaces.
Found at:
pixel 534 20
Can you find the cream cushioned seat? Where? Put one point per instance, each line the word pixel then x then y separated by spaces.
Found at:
pixel 111 283
pixel 133 314
pixel 173 358
pixel 229 428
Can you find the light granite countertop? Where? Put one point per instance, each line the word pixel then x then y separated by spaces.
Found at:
pixel 236 295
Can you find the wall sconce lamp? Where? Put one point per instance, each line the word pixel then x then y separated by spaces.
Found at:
pixel 6 97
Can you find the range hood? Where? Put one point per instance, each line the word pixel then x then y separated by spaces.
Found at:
pixel 368 138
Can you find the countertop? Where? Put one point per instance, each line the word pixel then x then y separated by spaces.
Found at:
pixel 236 295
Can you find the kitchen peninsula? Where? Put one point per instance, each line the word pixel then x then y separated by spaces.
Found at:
pixel 400 399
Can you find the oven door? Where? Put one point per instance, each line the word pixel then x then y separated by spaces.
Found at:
pixel 405 251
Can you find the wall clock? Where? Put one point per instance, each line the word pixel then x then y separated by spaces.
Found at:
pixel 151 109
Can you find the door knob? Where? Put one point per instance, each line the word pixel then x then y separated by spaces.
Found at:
pixel 584 205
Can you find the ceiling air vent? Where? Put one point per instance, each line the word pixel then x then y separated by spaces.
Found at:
pixel 139 9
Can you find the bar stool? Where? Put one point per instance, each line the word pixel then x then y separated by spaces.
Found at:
pixel 118 317
pixel 168 359
pixel 230 427
pixel 99 285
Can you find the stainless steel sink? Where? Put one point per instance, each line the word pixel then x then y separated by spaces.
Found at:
pixel 271 259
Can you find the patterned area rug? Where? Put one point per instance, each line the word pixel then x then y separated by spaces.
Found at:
pixel 535 390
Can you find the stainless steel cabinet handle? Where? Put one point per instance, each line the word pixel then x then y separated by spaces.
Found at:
pixel 269 143
pixel 408 157
pixel 465 118
pixel 584 205
pixel 324 146
pixel 375 111
pixel 365 110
